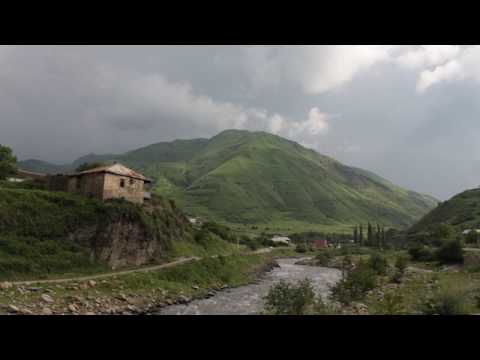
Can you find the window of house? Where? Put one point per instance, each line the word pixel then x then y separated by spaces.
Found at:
pixel 122 183
pixel 132 181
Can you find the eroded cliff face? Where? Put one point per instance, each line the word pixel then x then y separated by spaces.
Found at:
pixel 133 239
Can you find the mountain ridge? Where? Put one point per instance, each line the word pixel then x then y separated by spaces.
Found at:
pixel 240 176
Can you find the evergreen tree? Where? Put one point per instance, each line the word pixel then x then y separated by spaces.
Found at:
pixel 7 162
pixel 379 236
pixel 369 235
pixel 361 235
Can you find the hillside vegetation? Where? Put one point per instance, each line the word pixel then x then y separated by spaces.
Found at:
pixel 45 233
pixel 259 178
pixel 461 212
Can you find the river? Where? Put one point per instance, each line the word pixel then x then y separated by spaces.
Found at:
pixel 248 300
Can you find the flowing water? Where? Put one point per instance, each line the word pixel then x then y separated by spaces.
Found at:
pixel 248 300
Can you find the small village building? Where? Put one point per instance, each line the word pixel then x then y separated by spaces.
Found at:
pixel 320 243
pixel 468 231
pixel 281 239
pixel 110 182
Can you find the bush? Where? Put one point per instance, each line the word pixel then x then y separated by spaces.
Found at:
pixel 288 299
pixel 446 302
pixel 401 264
pixel 252 244
pixel 391 304
pixel 354 285
pixel 301 248
pixel 378 264
pixel 324 258
pixel 420 253
pixel 451 251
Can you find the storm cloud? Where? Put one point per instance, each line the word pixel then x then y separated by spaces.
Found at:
pixel 408 113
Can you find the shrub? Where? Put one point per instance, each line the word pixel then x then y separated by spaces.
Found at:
pixel 401 264
pixel 451 251
pixel 354 285
pixel 420 253
pixel 251 243
pixel 378 264
pixel 324 258
pixel 445 302
pixel 391 304
pixel 287 299
pixel 301 248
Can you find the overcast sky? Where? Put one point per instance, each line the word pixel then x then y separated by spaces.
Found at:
pixel 408 113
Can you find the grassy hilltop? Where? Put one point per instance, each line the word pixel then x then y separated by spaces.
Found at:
pixel 462 212
pixel 242 177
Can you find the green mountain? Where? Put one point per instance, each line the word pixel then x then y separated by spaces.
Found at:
pixel 42 166
pixel 259 178
pixel 462 212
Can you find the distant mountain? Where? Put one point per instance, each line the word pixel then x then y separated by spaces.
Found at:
pixel 255 177
pixel 462 211
pixel 42 167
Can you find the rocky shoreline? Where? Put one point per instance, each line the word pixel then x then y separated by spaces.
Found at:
pixel 54 299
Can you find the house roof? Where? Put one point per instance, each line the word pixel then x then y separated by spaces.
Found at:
pixel 115 169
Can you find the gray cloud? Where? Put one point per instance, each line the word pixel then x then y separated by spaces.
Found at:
pixel 402 111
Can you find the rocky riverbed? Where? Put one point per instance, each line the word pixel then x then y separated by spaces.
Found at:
pixel 248 300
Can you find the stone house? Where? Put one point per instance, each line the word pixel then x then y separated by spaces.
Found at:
pixel 109 182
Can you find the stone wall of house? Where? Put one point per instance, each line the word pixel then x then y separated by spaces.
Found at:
pixel 132 190
pixel 90 185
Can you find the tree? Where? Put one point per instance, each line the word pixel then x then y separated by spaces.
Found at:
pixel 369 234
pixel 443 232
pixel 379 237
pixel 355 234
pixel 451 251
pixel 7 162
pixel 361 235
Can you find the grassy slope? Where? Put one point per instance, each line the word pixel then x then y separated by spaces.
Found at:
pixel 34 226
pixel 255 177
pixel 462 211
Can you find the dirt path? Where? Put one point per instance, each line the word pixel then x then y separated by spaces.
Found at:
pixel 125 272
pixel 109 275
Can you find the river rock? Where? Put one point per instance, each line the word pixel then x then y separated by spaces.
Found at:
pixel 13 308
pixel 73 308
pixel 195 287
pixel 47 311
pixel 47 298
pixel 182 299
pixel 5 285
pixel 26 312
pixel 92 283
